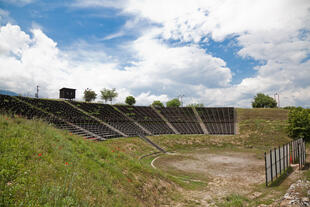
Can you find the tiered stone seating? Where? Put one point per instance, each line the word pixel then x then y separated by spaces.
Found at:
pixel 218 120
pixel 111 116
pixel 70 114
pixel 65 116
pixel 183 119
pixel 147 118
pixel 12 106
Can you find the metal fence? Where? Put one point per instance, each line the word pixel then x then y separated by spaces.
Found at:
pixel 299 152
pixel 279 159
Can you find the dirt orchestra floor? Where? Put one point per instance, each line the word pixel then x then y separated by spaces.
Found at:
pixel 225 173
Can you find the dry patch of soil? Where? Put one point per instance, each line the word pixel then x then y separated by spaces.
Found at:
pixel 226 172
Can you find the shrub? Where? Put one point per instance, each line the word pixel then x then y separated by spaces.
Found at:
pixel 157 104
pixel 130 100
pixel 173 103
pixel 299 123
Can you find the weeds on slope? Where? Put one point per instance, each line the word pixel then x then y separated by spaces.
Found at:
pixel 43 166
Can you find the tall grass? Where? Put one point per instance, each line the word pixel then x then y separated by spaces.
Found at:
pixel 43 166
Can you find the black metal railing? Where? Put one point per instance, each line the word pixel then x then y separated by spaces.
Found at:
pixel 278 160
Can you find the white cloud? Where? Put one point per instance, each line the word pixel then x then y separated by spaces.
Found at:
pixel 13 40
pixel 18 2
pixel 149 98
pixel 112 36
pixel 267 31
pixel 184 65
pixel 36 59
pixel 273 32
pixel 98 3
pixel 193 20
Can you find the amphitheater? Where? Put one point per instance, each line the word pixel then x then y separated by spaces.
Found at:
pixel 150 156
pixel 102 121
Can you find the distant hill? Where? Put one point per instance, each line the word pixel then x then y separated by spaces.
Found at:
pixel 6 92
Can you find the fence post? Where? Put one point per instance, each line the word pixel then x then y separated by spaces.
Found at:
pixel 283 155
pixel 302 154
pixel 305 154
pixel 275 161
pixel 288 154
pixel 293 152
pixel 271 174
pixel 280 160
pixel 299 155
pixel 266 174
pixel 296 151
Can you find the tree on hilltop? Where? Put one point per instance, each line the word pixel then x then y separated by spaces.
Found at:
pixel 173 103
pixel 263 101
pixel 89 95
pixel 108 95
pixel 130 100
pixel 157 104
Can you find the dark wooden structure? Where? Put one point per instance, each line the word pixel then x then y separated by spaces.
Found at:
pixel 67 93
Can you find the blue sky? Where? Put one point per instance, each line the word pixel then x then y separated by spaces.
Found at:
pixel 66 25
pixel 216 53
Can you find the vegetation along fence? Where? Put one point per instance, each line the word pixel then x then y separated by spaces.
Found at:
pixel 278 160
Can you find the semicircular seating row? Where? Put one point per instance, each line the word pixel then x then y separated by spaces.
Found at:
pixel 103 121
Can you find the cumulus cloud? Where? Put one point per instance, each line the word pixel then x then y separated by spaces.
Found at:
pixel 32 59
pixel 193 20
pixel 13 40
pixel 188 65
pixel 276 33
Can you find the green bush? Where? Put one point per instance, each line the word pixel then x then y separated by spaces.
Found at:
pixel 290 107
pixel 130 100
pixel 89 95
pixel 157 104
pixel 173 103
pixel 299 123
pixel 263 101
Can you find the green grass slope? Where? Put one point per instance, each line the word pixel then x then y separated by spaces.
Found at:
pixel 44 166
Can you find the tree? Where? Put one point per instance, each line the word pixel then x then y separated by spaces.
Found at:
pixel 157 104
pixel 89 95
pixel 299 123
pixel 130 100
pixel 195 105
pixel 263 101
pixel 173 103
pixel 108 95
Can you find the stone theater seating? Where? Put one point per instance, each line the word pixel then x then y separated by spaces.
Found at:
pixel 103 121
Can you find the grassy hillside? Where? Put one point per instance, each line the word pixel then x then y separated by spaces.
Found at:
pixel 43 166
